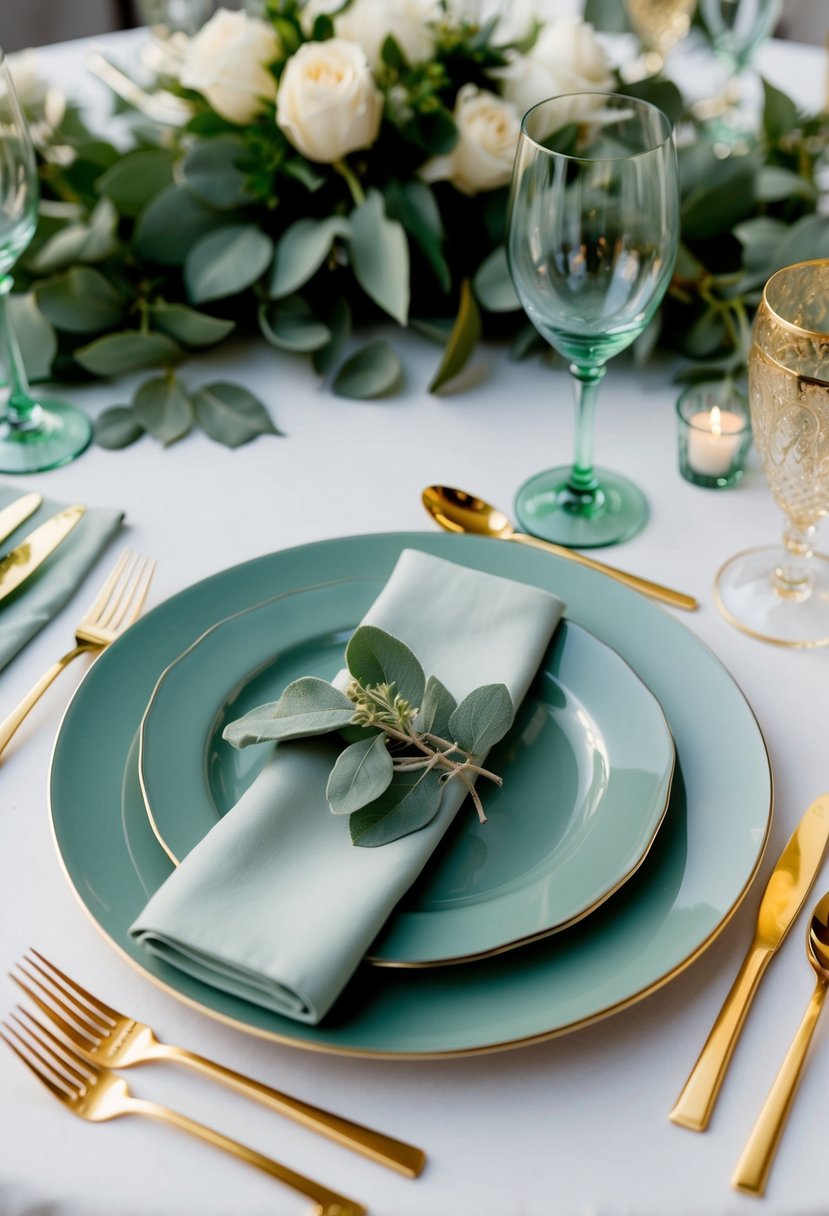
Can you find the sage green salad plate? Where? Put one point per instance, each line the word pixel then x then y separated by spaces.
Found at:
pixel 700 866
pixel 587 771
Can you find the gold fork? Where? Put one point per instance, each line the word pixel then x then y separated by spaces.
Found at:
pixel 104 1036
pixel 118 604
pixel 96 1094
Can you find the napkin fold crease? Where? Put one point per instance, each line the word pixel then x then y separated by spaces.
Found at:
pixel 275 904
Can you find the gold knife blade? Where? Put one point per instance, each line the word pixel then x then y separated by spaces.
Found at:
pixel 784 896
pixel 33 550
pixel 12 516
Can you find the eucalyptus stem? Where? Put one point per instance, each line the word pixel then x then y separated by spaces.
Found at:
pixel 351 180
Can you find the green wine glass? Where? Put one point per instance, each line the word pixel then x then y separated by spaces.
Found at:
pixel 34 434
pixel 592 239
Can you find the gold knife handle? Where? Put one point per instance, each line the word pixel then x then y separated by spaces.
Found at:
pixel 696 1102
pixel 10 726
pixel 404 1158
pixel 676 599
pixel 756 1161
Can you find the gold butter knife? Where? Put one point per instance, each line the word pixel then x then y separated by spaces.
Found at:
pixel 33 550
pixel 12 516
pixel 790 883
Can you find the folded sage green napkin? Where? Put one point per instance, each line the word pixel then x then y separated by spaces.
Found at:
pixel 46 591
pixel 275 904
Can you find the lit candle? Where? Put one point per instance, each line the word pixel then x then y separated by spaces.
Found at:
pixel 713 439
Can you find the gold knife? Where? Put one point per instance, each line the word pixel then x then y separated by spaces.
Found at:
pixel 790 883
pixel 33 550
pixel 12 516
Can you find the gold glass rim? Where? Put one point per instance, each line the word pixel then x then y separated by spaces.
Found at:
pixel 632 101
pixel 789 325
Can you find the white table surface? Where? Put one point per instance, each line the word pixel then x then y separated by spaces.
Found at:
pixel 574 1127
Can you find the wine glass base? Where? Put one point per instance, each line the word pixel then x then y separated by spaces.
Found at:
pixel 62 433
pixel 546 507
pixel 745 593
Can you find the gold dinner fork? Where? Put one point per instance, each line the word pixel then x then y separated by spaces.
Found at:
pixel 104 1036
pixel 97 1094
pixel 118 605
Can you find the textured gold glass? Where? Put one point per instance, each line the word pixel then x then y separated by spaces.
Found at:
pixel 661 25
pixel 781 594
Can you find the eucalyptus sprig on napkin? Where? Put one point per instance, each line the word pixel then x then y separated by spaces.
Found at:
pixel 404 736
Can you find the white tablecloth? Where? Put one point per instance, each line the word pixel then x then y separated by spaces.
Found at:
pixel 574 1127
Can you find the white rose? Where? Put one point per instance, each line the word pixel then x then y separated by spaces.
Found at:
pixel 328 103
pixel 567 58
pixel 37 98
pixel 369 22
pixel 488 129
pixel 227 62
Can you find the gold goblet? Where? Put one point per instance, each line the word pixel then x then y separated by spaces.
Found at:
pixel 660 25
pixel 781 594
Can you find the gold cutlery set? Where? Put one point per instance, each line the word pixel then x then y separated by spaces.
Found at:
pixel 784 896
pixel 75 1041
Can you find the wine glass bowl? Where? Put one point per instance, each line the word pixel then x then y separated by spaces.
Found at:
pixel 737 27
pixel 34 434
pixel 781 593
pixel 592 237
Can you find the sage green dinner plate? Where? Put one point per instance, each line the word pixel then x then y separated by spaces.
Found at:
pixel 587 771
pixel 699 868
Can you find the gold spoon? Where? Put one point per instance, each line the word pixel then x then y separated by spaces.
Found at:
pixel 754 1165
pixel 457 511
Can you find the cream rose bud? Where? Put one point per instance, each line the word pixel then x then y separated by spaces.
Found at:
pixel 327 103
pixel 369 23
pixel 227 62
pixel 488 129
pixel 566 58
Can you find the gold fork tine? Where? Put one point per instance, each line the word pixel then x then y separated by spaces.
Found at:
pixel 73 1032
pixel 64 1062
pixel 52 972
pixel 92 1028
pixel 116 607
pixel 6 1034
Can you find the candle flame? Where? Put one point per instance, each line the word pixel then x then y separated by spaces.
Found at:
pixel 716 421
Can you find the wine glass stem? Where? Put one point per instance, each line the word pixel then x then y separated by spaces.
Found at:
pixel 586 381
pixel 793 577
pixel 22 412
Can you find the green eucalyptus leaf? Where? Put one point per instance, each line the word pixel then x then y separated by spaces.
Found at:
pixel 211 171
pixel 380 256
pixel 301 250
pixel 290 325
pixel 163 408
pixel 436 709
pixel 465 335
pixel 374 656
pixel 338 322
pixel 361 773
pixel 89 242
pixel 373 371
pixel 725 198
pixel 303 172
pixel 760 237
pixel 806 239
pixel 308 706
pixel 170 225
pixel 413 203
pixel 137 177
pixel 482 718
pixel 226 261
pixel 779 113
pixel 493 283
pixel 34 333
pixel 116 428
pixel 410 802
pixel 705 336
pixel 231 414
pixel 128 351
pixel 80 301
pixel 392 55
pixel 660 93
pixel 776 184
pixel 188 326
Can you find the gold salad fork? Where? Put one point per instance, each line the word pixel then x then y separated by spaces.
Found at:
pixel 97 1094
pixel 118 605
pixel 104 1036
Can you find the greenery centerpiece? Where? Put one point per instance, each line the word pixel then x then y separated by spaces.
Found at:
pixel 304 171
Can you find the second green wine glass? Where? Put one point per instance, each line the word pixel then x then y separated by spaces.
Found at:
pixel 593 234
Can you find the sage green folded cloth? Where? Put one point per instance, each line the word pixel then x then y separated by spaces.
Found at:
pixel 46 591
pixel 275 904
